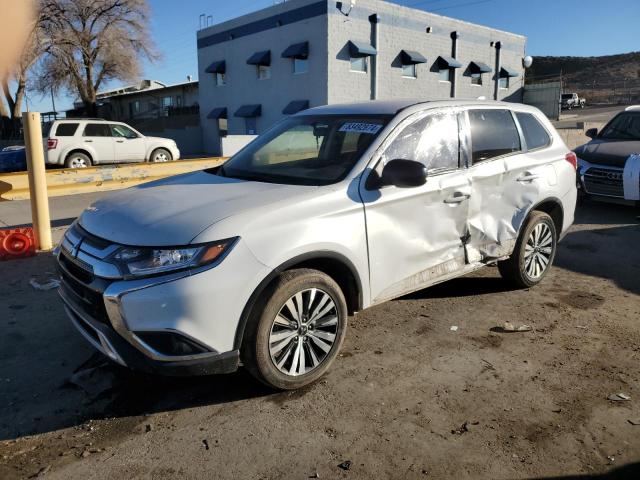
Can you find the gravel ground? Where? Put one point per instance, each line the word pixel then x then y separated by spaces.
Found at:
pixel 408 397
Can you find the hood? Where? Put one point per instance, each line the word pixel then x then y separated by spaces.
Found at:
pixel 159 139
pixel 173 211
pixel 612 153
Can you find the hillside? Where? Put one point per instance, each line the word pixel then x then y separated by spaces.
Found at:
pixel 606 79
pixel 584 70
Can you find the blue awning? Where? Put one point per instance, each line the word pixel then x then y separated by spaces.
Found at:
pixel 248 111
pixel 361 49
pixel 448 62
pixel 479 67
pixel 218 113
pixel 217 67
pixel 409 57
pixel 297 50
pixel 295 107
pixel 508 72
pixel 260 58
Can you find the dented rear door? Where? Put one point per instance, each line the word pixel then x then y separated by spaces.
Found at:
pixel 506 183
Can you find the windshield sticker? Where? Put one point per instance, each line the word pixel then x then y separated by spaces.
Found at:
pixel 357 127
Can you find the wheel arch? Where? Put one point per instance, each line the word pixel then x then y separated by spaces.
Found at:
pixel 335 265
pixel 552 206
pixel 79 150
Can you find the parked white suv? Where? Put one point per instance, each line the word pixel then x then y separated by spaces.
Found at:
pixel 333 210
pixel 81 143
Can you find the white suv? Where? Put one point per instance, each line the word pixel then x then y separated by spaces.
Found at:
pixel 81 143
pixel 333 210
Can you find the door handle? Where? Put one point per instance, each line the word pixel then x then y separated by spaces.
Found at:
pixel 528 177
pixel 457 197
pixel 88 141
pixel 120 141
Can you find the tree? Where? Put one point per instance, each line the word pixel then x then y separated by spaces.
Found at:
pixel 90 42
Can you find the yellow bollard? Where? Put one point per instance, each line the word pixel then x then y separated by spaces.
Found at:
pixel 37 180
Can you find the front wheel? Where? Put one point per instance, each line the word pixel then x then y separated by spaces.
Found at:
pixel 160 155
pixel 534 252
pixel 296 329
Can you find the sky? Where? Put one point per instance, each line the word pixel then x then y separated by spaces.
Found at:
pixel 552 27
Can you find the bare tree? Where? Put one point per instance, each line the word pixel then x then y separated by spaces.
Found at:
pixel 90 42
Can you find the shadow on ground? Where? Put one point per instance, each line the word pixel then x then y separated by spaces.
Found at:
pixel 626 472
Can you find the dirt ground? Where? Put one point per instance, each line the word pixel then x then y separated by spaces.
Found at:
pixel 408 397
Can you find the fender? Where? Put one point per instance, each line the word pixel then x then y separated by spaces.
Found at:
pixel 317 255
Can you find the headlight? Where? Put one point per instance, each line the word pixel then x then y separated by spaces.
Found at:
pixel 140 262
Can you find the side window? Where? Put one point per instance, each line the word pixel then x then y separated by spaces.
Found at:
pixel 97 130
pixel 66 129
pixel 493 133
pixel 534 134
pixel 122 131
pixel 432 140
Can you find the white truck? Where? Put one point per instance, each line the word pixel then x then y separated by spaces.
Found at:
pixel 572 100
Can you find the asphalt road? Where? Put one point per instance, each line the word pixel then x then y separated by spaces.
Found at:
pixel 595 114
pixel 407 398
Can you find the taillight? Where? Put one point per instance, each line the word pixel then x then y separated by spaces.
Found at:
pixel 572 158
pixel 52 143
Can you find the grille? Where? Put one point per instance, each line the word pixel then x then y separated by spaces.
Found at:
pixel 602 181
pixel 89 301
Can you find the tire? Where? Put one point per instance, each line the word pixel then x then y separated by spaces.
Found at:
pixel 160 155
pixel 277 349
pixel 77 160
pixel 518 269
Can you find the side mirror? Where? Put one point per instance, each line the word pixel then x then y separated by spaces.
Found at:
pixel 591 133
pixel 403 174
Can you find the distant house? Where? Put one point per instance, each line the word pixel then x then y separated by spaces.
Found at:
pixel 155 109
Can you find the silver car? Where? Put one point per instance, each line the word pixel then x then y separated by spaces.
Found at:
pixel 260 262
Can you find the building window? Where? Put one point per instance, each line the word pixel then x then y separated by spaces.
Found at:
pixel 250 126
pixel 134 108
pixel 410 71
pixel 300 65
pixel 223 127
pixel 264 72
pixel 221 79
pixel 503 82
pixel 359 64
pixel 178 101
pixel 476 79
pixel 445 74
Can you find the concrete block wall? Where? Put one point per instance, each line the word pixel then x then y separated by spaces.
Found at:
pixel 243 86
pixel 405 28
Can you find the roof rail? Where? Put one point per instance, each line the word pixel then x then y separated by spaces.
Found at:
pixel 85 118
pixel 632 108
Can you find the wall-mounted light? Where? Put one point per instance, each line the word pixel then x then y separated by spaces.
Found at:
pixel 527 61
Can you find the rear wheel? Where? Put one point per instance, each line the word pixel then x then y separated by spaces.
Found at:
pixel 77 160
pixel 296 330
pixel 534 252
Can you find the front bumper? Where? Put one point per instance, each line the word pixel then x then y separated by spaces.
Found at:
pixel 602 182
pixel 198 308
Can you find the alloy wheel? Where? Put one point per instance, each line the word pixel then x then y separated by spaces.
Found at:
pixel 160 157
pixel 538 251
pixel 78 162
pixel 303 332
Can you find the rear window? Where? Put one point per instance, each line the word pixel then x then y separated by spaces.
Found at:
pixel 534 133
pixel 97 130
pixel 66 129
pixel 493 133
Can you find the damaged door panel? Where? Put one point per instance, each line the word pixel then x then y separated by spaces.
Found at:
pixel 415 235
pixel 506 183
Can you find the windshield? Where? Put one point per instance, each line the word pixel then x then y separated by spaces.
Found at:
pixel 625 126
pixel 306 150
pixel 566 96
